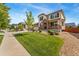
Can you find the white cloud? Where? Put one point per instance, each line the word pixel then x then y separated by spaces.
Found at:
pixel 17 17
pixel 40 8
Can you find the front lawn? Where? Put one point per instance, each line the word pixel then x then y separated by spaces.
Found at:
pixel 1 37
pixel 38 44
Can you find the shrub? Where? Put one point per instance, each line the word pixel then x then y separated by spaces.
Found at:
pixel 53 31
pixel 20 26
pixel 73 30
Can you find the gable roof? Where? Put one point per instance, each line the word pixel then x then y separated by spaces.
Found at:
pixel 42 14
pixel 56 12
pixel 53 13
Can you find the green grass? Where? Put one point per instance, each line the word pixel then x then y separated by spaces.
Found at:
pixel 38 44
pixel 1 37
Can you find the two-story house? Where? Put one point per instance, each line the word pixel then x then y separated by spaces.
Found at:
pixel 53 20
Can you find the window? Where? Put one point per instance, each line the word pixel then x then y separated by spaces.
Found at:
pixel 56 15
pixel 51 16
pixel 52 23
pixel 62 23
pixel 41 18
pixel 55 23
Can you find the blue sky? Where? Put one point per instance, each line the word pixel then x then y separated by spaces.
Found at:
pixel 17 11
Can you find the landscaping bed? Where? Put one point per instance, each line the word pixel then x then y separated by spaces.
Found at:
pixel 38 44
pixel 72 30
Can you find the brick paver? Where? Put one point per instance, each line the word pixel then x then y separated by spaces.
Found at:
pixel 71 45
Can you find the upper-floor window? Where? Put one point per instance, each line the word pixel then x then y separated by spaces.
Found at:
pixel 41 18
pixel 56 15
pixel 62 23
pixel 51 16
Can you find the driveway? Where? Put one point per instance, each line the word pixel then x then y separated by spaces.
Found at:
pixel 70 46
pixel 11 47
pixel 75 34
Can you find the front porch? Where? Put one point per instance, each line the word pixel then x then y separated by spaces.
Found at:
pixel 51 25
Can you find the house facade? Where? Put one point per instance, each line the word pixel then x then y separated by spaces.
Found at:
pixel 55 20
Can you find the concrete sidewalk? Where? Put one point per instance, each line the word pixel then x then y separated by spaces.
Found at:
pixel 11 47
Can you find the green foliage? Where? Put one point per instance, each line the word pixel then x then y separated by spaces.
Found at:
pixel 20 26
pixel 53 31
pixel 1 37
pixel 12 26
pixel 38 44
pixel 4 16
pixel 29 20
pixel 69 27
pixel 16 27
pixel 78 26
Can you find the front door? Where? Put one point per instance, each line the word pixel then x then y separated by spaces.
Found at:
pixel 45 26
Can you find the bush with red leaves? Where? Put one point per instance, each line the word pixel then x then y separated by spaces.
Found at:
pixel 73 30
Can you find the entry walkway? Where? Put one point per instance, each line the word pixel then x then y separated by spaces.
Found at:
pixel 11 47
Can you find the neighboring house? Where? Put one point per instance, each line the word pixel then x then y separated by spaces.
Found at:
pixel 53 20
pixel 78 25
pixel 36 25
pixel 70 25
pixel 24 25
pixel 15 26
pixel 36 28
